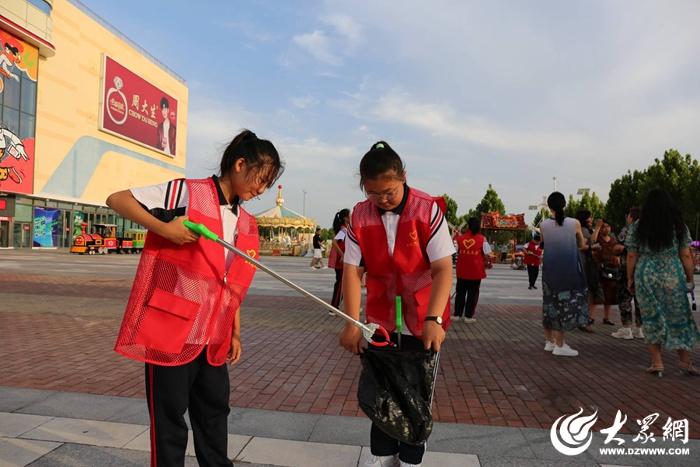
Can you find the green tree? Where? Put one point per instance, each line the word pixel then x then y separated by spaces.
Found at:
pixel 678 175
pixel 540 216
pixel 451 211
pixel 490 202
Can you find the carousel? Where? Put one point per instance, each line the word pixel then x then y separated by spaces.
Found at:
pixel 509 252
pixel 283 231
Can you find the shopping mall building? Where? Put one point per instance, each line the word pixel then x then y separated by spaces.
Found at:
pixel 84 112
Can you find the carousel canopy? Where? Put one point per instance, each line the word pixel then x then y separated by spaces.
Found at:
pixel 279 216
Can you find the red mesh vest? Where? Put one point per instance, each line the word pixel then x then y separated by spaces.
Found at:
pixel 334 255
pixel 532 260
pixel 470 256
pixel 406 274
pixel 183 297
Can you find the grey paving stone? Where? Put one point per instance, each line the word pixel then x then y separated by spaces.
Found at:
pixel 20 452
pixel 271 424
pixel 352 431
pixel 479 440
pixel 76 405
pixel 77 455
pixel 13 399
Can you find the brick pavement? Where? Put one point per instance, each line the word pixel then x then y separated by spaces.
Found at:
pixel 58 333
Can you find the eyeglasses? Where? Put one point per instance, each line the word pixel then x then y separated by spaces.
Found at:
pixel 388 195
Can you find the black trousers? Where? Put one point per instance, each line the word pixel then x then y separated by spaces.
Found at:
pixel 204 390
pixel 532 273
pixel 337 288
pixel 470 289
pixel 381 444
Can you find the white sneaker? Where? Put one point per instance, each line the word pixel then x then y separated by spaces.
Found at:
pixel 324 267
pixel 637 333
pixel 623 333
pixel 311 267
pixel 456 319
pixel 404 464
pixel 549 346
pixel 383 461
pixel 469 320
pixel 564 351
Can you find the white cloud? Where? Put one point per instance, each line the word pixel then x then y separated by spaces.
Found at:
pixel 319 46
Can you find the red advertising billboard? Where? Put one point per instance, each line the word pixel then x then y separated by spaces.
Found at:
pixel 18 69
pixel 134 109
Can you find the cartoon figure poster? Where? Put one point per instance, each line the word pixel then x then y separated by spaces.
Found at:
pixel 18 61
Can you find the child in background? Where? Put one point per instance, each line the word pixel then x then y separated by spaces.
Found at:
pixel 336 257
pixel 182 317
pixel 400 238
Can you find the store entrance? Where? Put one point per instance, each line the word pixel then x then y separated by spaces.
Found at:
pixel 22 235
pixel 4 234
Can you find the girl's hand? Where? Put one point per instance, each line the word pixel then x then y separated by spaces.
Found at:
pixel 351 339
pixel 630 286
pixel 176 232
pixel 235 351
pixel 433 335
pixel 598 223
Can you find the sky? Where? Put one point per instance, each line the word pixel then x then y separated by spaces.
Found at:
pixel 525 95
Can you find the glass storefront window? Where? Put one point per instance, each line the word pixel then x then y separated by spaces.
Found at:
pixel 28 103
pixel 24 213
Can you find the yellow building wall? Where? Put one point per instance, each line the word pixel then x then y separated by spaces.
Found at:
pixel 75 161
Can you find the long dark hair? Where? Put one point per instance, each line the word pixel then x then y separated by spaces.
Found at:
pixel 660 221
pixel 380 162
pixel 474 225
pixel 338 219
pixel 257 153
pixel 556 202
pixel 582 216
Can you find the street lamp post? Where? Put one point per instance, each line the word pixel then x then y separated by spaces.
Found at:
pixel 303 212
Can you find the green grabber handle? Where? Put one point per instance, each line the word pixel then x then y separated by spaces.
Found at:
pixel 399 320
pixel 368 330
pixel 202 230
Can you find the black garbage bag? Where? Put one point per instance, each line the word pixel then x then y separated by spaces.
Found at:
pixel 395 392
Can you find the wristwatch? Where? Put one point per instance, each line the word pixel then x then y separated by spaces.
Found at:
pixel 437 319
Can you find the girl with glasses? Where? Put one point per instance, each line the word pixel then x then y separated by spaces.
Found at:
pixel 400 238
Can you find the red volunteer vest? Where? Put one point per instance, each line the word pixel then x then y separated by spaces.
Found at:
pixel 470 256
pixel 531 259
pixel 333 257
pixel 183 297
pixel 407 273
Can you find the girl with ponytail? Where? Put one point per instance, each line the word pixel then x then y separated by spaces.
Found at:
pixel 171 322
pixel 564 290
pixel 337 255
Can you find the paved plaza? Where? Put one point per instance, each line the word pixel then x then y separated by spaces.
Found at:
pixel 63 390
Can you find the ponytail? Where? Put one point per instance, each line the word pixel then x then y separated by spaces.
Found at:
pixel 338 219
pixel 256 153
pixel 381 161
pixel 556 202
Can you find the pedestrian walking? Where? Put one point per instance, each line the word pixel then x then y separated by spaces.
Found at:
pixel 533 259
pixel 317 260
pixel 472 249
pixel 341 220
pixel 660 275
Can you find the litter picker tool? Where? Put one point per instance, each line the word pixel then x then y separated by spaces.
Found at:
pixel 399 319
pixel 368 329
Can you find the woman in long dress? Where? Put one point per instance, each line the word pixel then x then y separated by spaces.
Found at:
pixel 660 274
pixel 564 290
